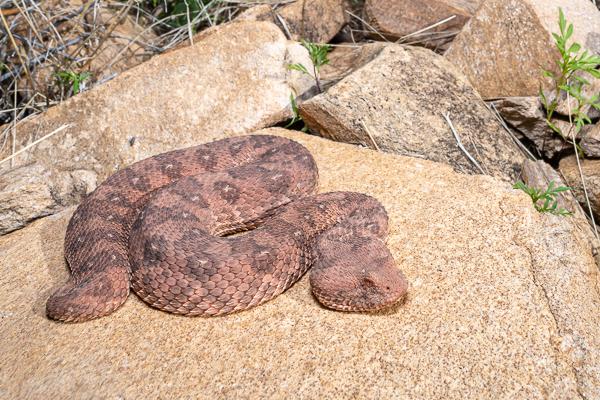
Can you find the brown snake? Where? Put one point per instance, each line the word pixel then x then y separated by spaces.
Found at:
pixel 165 227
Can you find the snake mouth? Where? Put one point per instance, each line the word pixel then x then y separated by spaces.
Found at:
pixel 360 305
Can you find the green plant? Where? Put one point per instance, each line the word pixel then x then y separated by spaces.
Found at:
pixel 73 79
pixel 572 66
pixel 184 11
pixel 296 115
pixel 318 56
pixel 545 201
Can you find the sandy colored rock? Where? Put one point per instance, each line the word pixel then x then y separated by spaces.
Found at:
pixel 345 58
pixel 488 312
pixel 312 20
pixel 590 143
pixel 591 172
pixel 504 47
pixel 400 98
pixel 234 81
pixel 31 191
pixel 527 116
pixel 538 174
pixel 396 19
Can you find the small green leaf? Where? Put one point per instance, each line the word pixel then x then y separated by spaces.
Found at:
pixel 298 67
pixel 562 22
pixel 575 47
pixel 548 74
pixel 569 33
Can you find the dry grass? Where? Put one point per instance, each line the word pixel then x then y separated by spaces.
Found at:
pixel 40 39
pixel 46 46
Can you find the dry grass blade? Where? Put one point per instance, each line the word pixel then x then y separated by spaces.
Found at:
pixel 54 132
pixel 368 131
pixel 583 185
pixel 16 47
pixel 372 29
pixel 427 28
pixel 521 146
pixel 459 143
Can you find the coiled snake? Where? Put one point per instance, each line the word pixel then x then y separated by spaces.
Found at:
pixel 169 227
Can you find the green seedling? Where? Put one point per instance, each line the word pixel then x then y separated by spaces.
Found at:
pixel 318 56
pixel 545 201
pixel 296 114
pixel 73 79
pixel 573 65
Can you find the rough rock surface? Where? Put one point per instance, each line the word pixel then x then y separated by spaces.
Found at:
pixel 345 58
pixel 590 143
pixel 31 192
pixel 396 19
pixel 396 103
pixel 539 174
pixel 235 80
pixel 527 116
pixel 591 172
pixel 312 20
pixel 503 303
pixel 503 48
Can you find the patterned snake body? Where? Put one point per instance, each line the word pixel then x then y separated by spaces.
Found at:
pixel 222 227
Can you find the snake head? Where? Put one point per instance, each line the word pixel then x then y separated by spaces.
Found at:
pixel 357 276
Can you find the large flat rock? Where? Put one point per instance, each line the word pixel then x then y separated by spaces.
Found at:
pixel 503 303
pixel 234 80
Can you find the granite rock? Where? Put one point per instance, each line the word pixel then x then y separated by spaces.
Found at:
pixel 315 20
pixel 503 303
pixel 591 172
pixel 507 43
pixel 235 80
pixel 590 143
pixel 527 116
pixel 345 58
pixel 397 19
pixel 397 103
pixel 32 191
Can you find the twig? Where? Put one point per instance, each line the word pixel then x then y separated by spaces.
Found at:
pixel 38 60
pixel 12 40
pixel 450 18
pixel 583 185
pixel 117 20
pixel 284 25
pixel 14 126
pixel 9 11
pixel 189 25
pixel 460 145
pixel 496 114
pixel 368 26
pixel 57 130
pixel 369 134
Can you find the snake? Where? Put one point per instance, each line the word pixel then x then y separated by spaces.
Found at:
pixel 222 227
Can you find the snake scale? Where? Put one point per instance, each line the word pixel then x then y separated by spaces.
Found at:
pixel 223 227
